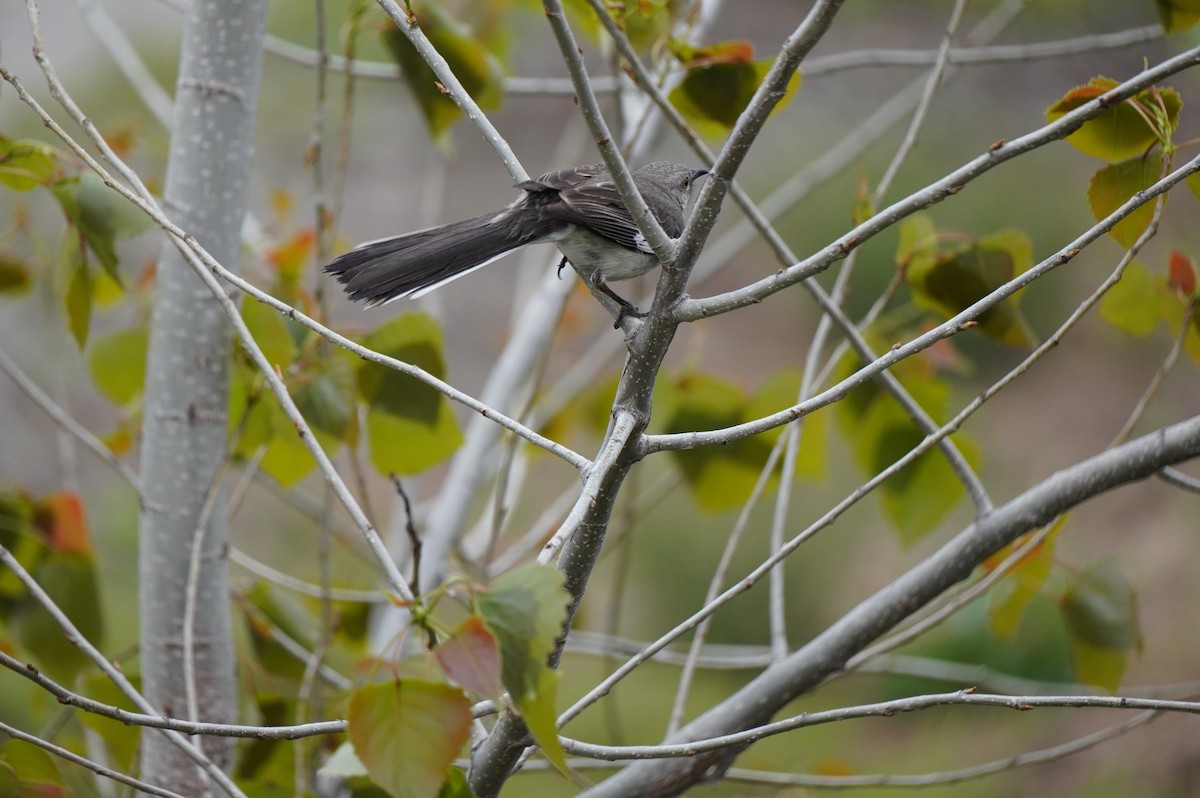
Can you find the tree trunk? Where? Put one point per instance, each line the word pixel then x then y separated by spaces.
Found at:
pixel 185 418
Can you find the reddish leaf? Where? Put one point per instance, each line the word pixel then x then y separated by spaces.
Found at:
pixel 61 519
pixel 1182 271
pixel 471 658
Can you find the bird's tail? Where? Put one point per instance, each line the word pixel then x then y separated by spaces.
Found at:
pixel 414 263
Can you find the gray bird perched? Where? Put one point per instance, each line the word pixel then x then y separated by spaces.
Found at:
pixel 578 209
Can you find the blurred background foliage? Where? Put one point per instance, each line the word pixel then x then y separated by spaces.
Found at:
pixel 76 305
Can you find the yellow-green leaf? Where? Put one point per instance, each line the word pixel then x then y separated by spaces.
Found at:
pixel 1133 304
pixel 270 333
pixel 1125 130
pixel 1010 597
pixel 1177 15
pixel 720 82
pixel 407 733
pixel 402 446
pixel 25 163
pixel 1099 610
pixel 718 478
pixel 117 362
pixel 1113 185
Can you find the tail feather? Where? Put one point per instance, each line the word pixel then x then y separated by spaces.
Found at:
pixel 411 264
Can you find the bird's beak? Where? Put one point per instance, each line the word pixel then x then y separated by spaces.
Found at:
pixel 698 173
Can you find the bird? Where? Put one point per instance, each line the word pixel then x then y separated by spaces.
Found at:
pixel 579 209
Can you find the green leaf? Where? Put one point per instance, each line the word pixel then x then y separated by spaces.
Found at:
pixel 25 163
pixel 71 581
pixel 413 338
pixel 471 657
pixel 538 710
pixel 777 392
pixel 117 363
pixel 326 400
pixel 1100 613
pixel 1123 130
pixel 1113 185
pixel 525 609
pixel 1100 607
pixel 78 300
pixel 918 497
pixel 1177 15
pixel 720 82
pixel 1132 305
pixel 456 786
pixel 100 215
pixel 270 333
pixel 15 277
pixel 467 57
pixel 718 477
pixel 407 733
pixel 961 275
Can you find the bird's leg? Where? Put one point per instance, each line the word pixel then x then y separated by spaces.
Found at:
pixel 627 307
pixel 562 264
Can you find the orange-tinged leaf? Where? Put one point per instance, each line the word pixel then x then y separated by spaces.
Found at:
pixel 1181 270
pixel 290 257
pixel 471 658
pixel 730 52
pixel 1127 129
pixel 407 733
pixel 1113 185
pixel 61 519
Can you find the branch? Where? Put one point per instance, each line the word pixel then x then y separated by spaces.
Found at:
pixel 77 638
pixel 1035 757
pixel 829 651
pixel 72 699
pixel 953 326
pixel 883 709
pixel 694 309
pixel 95 767
pixel 47 405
